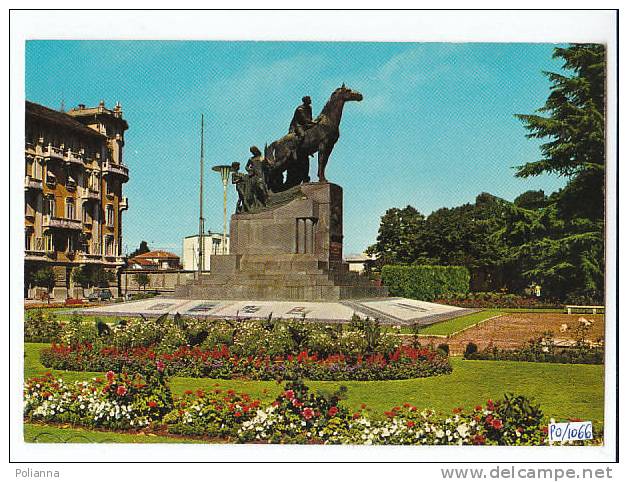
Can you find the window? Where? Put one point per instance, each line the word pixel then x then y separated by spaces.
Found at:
pixel 72 244
pixel 111 188
pixel 37 169
pixel 110 217
pixel 51 179
pixel 51 206
pixel 48 242
pixel 70 208
pixel 86 218
pixel 28 239
pixel 109 246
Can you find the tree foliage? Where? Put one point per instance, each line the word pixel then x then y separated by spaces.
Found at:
pixel 143 248
pixel 556 241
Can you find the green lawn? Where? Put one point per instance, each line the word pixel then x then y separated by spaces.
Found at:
pixel 564 391
pixel 454 325
pixel 39 433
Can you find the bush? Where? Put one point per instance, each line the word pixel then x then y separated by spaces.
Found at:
pixel 40 327
pixel 443 348
pixel 75 332
pixel 490 299
pixel 542 349
pixel 470 349
pixel 425 282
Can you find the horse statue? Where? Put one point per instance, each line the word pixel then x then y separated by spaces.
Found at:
pixel 292 153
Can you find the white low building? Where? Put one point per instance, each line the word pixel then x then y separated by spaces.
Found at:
pixel 212 245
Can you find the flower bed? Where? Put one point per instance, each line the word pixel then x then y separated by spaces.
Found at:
pixel 119 401
pixel 405 362
pixel 296 416
pixel 242 337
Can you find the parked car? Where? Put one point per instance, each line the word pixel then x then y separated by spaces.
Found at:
pixel 100 295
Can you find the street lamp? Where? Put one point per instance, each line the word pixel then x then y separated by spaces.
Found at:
pixel 224 171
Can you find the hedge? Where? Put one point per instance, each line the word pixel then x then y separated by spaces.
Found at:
pixel 425 282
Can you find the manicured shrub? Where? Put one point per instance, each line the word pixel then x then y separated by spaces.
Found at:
pixel 425 282
pixel 470 349
pixel 490 299
pixel 443 348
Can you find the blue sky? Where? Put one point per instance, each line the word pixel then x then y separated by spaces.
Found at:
pixel 435 128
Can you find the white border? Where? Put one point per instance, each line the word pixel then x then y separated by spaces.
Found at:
pixel 458 26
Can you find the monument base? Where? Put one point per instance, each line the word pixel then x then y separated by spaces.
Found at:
pixel 287 251
pixel 279 277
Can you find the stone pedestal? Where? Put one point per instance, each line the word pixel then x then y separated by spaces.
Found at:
pixel 288 252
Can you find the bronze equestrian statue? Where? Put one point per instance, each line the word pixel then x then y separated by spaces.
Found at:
pixel 291 152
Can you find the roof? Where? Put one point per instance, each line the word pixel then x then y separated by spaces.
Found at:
pixel 62 119
pixel 156 254
pixel 142 262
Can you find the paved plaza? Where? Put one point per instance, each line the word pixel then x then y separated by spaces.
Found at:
pixel 400 311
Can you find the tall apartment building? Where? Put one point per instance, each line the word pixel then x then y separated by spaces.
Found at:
pixel 74 173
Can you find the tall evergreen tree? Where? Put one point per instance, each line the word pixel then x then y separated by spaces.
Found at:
pixel 574 127
pixel 563 245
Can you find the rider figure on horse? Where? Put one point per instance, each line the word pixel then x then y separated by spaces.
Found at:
pixel 302 118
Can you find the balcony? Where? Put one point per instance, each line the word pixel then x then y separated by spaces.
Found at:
pixel 36 249
pixel 116 170
pixel 74 159
pixel 52 153
pixel 62 223
pixel 124 204
pixel 89 194
pixel 32 183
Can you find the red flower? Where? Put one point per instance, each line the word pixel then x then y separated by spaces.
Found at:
pixel 544 430
pixel 289 394
pixel 237 414
pixel 152 403
pixel 160 366
pixel 479 439
pixel 478 408
pixel 356 415
pixel 410 423
pixel 457 410
pixel 188 392
pixel 296 403
pixel 497 424
pixel 121 390
pixel 308 413
pixel 110 375
pixel 490 405
pixel 363 406
pixel 332 411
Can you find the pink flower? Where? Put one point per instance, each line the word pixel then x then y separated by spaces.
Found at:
pixel 121 390
pixel 160 366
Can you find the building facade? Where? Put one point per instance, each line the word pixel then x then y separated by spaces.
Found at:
pixel 74 174
pixel 212 245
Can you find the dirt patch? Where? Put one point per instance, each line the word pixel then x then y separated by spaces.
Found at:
pixel 513 330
